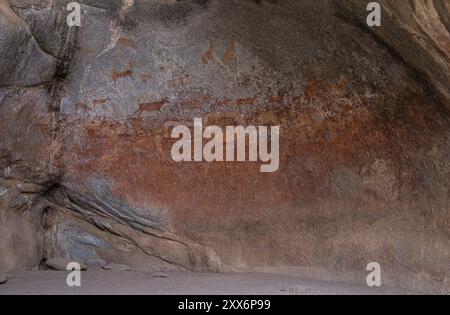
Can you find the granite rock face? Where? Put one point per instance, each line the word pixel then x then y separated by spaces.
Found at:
pixel 23 62
pixel 86 170
pixel 418 31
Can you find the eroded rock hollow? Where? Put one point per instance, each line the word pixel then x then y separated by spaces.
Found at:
pixel 86 115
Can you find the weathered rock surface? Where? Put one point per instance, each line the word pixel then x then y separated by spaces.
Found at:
pixel 61 264
pixel 96 264
pixel 23 63
pixel 418 31
pixel 365 146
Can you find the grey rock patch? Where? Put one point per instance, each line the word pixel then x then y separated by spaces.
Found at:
pixel 23 63
pixel 96 264
pixel 74 234
pixel 73 241
pixel 60 264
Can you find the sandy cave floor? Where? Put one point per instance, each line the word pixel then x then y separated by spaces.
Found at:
pixel 102 282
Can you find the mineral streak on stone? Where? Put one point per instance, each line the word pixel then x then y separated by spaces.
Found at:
pixel 86 114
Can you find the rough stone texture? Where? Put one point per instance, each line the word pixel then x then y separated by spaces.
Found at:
pixel 29 144
pixel 96 264
pixel 61 264
pixel 23 62
pixel 418 30
pixel 365 146
pixel 25 144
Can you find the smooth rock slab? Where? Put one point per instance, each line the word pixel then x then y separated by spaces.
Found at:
pixel 60 264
